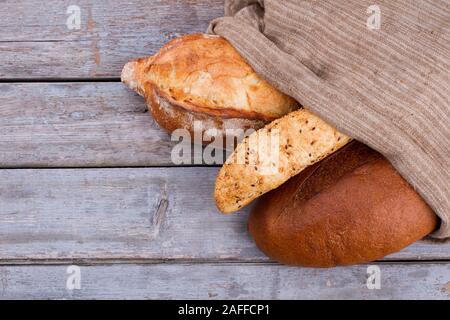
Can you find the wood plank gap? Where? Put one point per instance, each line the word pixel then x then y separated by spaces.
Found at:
pixel 108 262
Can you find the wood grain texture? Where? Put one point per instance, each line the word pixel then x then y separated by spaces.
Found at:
pixel 129 213
pixel 225 281
pixel 35 41
pixel 78 125
pixel 157 226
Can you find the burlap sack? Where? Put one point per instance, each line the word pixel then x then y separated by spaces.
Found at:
pixel 385 82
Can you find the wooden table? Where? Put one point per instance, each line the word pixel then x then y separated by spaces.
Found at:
pixel 86 177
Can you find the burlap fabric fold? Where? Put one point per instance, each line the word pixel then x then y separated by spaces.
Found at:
pixel 379 74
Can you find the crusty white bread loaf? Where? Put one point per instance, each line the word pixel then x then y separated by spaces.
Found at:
pixel 304 139
pixel 203 78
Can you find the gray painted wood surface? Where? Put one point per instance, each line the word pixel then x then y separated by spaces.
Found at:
pixel 126 213
pixel 78 125
pixel 136 232
pixel 226 281
pixel 35 41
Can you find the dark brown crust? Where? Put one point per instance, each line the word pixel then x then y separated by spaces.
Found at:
pixel 352 207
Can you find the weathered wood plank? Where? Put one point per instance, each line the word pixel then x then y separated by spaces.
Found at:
pixel 35 41
pixel 78 125
pixel 129 213
pixel 232 281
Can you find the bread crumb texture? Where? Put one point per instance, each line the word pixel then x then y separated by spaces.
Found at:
pixel 303 139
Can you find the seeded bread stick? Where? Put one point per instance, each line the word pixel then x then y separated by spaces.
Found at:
pixel 254 168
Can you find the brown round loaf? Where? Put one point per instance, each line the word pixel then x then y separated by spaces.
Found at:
pixel 352 207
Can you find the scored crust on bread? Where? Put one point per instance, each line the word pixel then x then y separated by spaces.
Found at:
pixel 303 139
pixel 202 77
pixel 171 117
